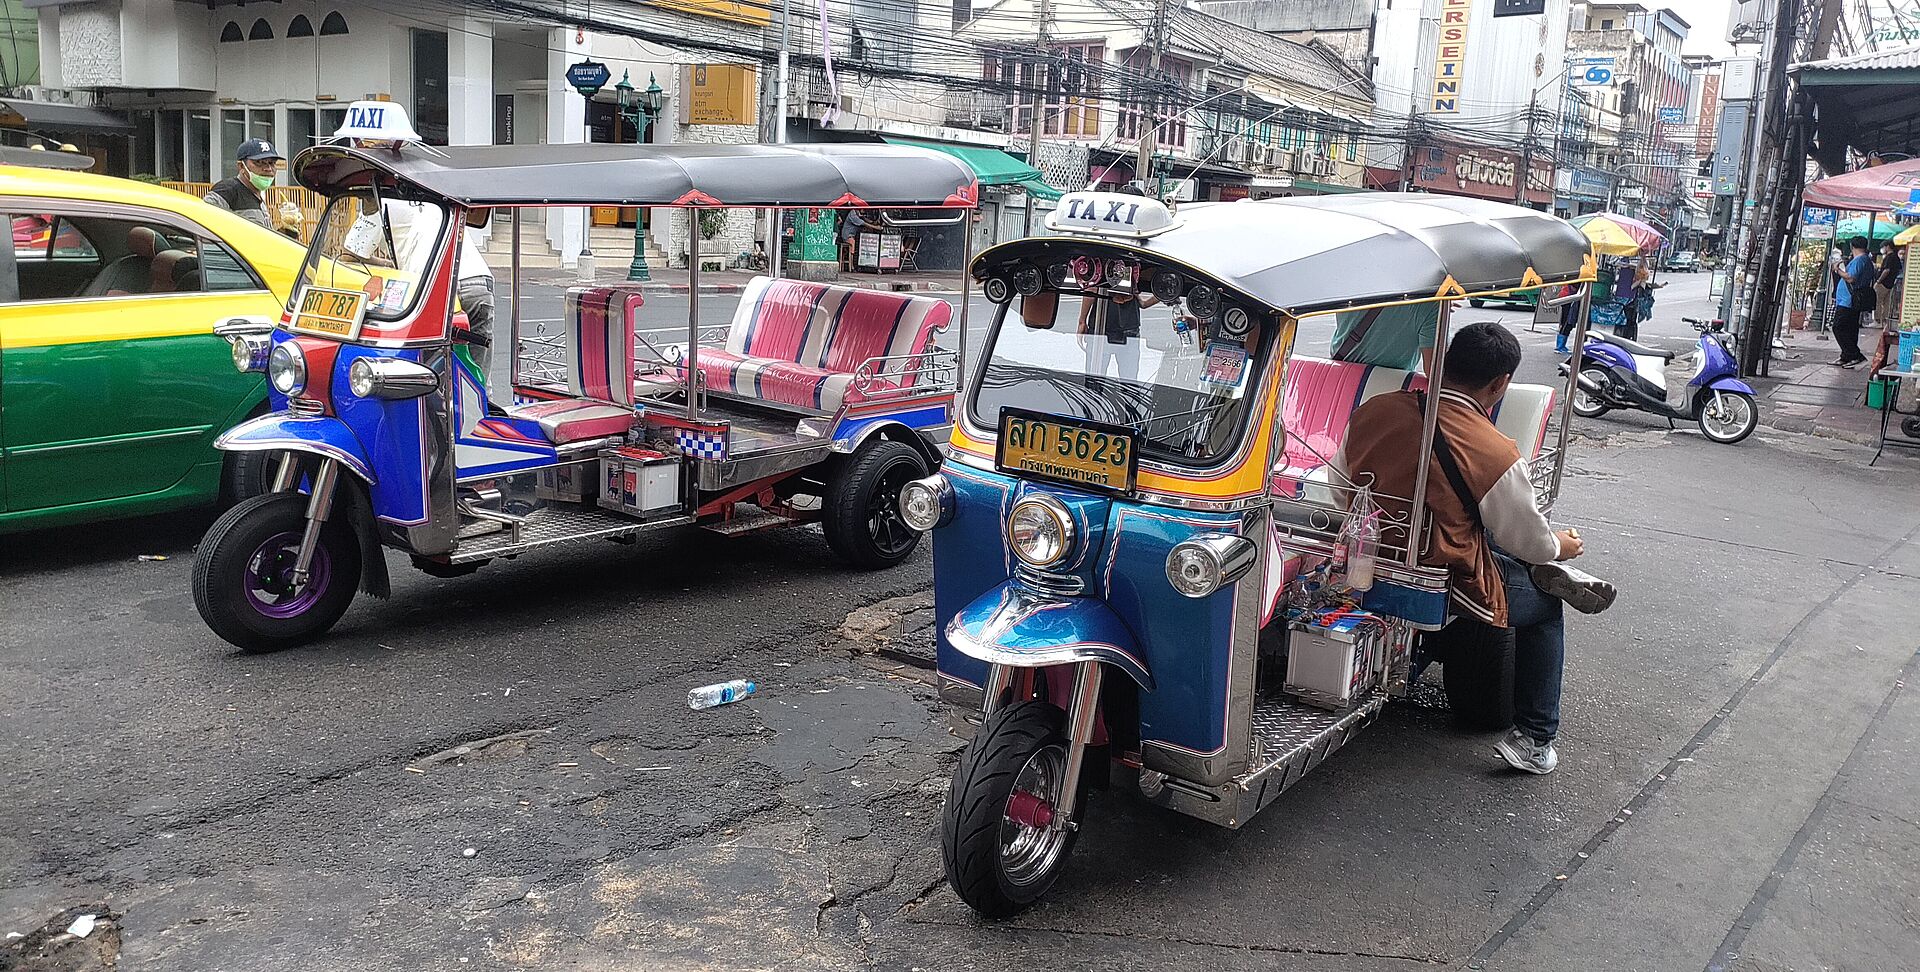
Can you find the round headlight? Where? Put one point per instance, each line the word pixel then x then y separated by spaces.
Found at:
pixel 926 503
pixel 997 290
pixel 1058 275
pixel 1040 530
pixel 250 353
pixel 1202 565
pixel 1236 322
pixel 287 368
pixel 360 378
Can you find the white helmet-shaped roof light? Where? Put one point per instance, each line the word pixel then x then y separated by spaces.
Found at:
pixel 377 122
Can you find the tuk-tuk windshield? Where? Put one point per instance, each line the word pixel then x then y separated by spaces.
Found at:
pixel 1124 360
pixel 382 247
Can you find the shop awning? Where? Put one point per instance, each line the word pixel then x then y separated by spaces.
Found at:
pixel 992 166
pixel 53 116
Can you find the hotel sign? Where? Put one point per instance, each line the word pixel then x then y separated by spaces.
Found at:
pixel 1450 57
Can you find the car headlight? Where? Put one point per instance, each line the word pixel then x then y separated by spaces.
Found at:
pixel 1199 566
pixel 287 368
pixel 1040 530
pixel 250 353
pixel 926 503
pixel 390 378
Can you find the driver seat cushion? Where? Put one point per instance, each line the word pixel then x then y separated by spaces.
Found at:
pixel 575 421
pixel 1317 399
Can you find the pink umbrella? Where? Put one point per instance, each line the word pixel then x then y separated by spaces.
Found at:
pixel 1871 190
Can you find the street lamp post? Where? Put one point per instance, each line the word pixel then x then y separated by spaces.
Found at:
pixel 640 112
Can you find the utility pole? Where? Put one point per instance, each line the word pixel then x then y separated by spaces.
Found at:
pixel 1524 177
pixel 1422 90
pixel 1150 124
pixel 1043 36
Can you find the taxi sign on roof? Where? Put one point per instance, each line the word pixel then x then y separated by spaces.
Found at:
pixel 1110 214
pixel 377 121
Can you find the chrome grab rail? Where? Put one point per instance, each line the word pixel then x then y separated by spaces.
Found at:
pixel 901 375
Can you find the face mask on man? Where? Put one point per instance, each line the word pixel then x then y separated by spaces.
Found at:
pixel 260 182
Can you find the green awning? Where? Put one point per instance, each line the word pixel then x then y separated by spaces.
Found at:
pixel 992 166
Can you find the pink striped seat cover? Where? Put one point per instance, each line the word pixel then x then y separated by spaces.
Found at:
pixel 799 344
pixel 1318 398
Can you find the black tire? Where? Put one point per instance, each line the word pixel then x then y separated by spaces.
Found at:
pixel 1745 413
pixel 230 589
pixel 862 516
pixel 1476 302
pixel 1910 427
pixel 247 474
pixel 1585 403
pixel 1478 674
pixel 975 817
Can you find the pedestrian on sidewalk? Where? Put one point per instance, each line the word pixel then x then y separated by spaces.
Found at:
pixel 1852 294
pixel 1886 285
pixel 244 193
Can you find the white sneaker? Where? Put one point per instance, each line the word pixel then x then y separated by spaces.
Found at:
pixel 1524 753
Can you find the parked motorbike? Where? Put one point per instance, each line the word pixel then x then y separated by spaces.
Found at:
pixel 1616 373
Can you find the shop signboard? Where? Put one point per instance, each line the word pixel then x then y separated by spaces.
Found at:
pixel 1518 8
pixel 718 94
pixel 1590 72
pixel 1477 170
pixel 1672 115
pixel 588 77
pixel 1816 223
pixel 1450 57
pixel 753 12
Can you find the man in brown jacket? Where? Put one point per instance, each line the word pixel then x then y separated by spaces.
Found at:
pixel 1492 594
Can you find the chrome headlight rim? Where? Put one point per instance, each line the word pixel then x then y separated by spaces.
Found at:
pixel 1220 559
pixel 390 378
pixel 1057 514
pixel 250 353
pixel 926 504
pixel 287 368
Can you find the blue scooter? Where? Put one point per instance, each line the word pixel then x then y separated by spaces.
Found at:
pixel 1623 374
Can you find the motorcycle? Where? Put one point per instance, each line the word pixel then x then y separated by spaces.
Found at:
pixel 1616 373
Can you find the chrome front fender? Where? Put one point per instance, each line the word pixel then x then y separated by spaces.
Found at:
pixel 285 432
pixel 1020 629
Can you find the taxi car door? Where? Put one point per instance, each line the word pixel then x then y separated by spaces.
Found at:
pixel 112 384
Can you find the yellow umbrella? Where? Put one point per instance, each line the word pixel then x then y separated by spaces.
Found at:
pixel 1907 235
pixel 1610 240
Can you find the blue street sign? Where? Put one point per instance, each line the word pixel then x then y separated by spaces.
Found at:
pixel 588 77
pixel 1671 115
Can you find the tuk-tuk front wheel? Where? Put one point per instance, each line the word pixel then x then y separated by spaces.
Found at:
pixel 1000 840
pixel 862 521
pixel 243 581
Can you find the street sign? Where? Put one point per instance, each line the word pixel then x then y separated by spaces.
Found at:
pixel 1816 223
pixel 588 77
pixel 1518 8
pixel 1590 71
pixel 1670 115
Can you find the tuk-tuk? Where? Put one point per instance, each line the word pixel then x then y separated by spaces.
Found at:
pixel 815 402
pixel 1142 556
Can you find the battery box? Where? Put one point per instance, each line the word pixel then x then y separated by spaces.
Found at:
pixel 1329 665
pixel 639 482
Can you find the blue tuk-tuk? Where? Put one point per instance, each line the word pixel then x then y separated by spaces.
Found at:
pixel 1137 534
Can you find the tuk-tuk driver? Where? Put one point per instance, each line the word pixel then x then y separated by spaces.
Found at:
pixel 1486 529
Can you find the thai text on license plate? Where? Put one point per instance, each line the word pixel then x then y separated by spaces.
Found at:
pixel 1087 454
pixel 335 313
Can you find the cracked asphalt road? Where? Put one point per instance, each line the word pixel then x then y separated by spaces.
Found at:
pixel 1749 702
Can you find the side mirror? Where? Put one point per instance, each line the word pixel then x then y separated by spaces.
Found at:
pixel 1037 311
pixel 478 218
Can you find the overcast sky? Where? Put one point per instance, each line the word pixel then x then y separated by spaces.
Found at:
pixel 1709 24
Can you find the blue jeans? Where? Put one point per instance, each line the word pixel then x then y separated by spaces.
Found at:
pixel 1539 651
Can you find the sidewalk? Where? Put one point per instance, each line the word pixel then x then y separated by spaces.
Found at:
pixel 1804 392
pixel 667 281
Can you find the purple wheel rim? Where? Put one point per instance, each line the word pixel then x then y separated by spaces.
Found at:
pixel 268 579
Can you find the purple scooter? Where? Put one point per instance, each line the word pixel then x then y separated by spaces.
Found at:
pixel 1618 373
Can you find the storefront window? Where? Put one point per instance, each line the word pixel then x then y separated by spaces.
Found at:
pixel 300 130
pixel 430 85
pixel 142 122
pixel 166 146
pixel 260 125
pixel 233 131
pixel 199 144
pixel 330 120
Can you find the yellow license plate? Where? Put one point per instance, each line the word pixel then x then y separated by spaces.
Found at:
pixel 1092 455
pixel 334 313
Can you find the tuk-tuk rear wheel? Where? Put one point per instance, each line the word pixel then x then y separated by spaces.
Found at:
pixel 241 575
pixel 862 515
pixel 1000 845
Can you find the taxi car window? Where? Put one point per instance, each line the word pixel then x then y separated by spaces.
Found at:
pixel 221 269
pixel 92 257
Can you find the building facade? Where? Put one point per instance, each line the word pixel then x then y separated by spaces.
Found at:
pixel 1651 88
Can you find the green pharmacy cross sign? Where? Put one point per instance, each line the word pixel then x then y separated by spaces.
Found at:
pixel 588 77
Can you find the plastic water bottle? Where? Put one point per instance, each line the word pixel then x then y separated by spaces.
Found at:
pixel 708 696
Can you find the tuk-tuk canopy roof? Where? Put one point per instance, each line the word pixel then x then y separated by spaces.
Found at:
pixel 839 176
pixel 1312 254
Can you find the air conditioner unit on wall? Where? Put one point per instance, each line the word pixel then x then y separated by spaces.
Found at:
pixel 1233 152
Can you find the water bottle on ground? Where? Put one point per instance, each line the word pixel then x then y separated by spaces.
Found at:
pixel 708 696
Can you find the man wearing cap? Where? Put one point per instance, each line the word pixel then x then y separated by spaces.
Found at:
pixel 245 192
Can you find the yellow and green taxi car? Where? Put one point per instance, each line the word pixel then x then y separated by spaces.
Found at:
pixel 113 386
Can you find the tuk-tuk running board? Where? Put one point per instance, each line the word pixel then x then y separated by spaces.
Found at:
pixel 1289 739
pixel 554 525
